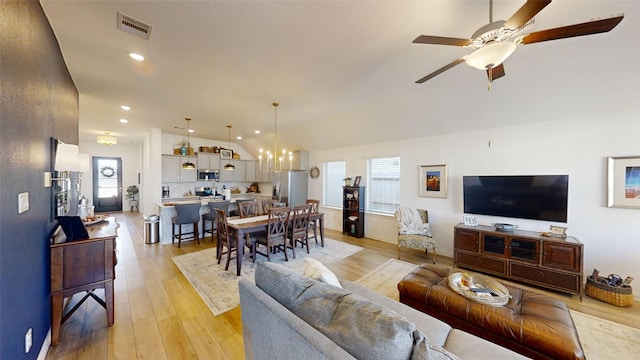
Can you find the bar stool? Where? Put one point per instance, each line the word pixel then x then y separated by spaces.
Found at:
pixel 211 216
pixel 187 214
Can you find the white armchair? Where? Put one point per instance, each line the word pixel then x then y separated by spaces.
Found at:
pixel 414 230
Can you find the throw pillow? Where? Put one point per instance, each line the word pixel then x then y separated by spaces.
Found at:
pixel 364 329
pixel 424 350
pixel 317 271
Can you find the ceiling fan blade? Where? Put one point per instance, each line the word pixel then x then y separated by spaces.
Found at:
pixel 440 71
pixel 440 40
pixel 496 73
pixel 586 28
pixel 525 13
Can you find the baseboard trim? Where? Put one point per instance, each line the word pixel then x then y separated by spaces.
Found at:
pixel 44 349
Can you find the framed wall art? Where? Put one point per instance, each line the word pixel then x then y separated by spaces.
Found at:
pixel 623 182
pixel 226 154
pixel 356 182
pixel 433 181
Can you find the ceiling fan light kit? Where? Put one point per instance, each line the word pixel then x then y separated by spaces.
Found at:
pixel 496 41
pixel 490 55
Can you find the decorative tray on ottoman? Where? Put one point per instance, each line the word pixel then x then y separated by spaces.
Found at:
pixel 481 289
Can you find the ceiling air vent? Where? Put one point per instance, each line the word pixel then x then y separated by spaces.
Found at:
pixel 133 26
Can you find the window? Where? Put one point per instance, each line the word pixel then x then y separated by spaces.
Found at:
pixel 334 174
pixel 383 185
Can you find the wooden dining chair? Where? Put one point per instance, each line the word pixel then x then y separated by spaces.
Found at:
pixel 248 209
pixel 276 236
pixel 313 224
pixel 226 239
pixel 211 216
pixel 299 232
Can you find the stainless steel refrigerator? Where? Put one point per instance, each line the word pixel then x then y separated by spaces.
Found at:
pixel 291 187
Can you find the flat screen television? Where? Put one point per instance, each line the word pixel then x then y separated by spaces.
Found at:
pixel 537 197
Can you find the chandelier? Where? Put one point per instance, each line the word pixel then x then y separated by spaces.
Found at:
pixel 107 139
pixel 270 162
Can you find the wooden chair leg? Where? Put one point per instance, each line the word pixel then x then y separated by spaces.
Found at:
pixel 226 267
pixel 284 248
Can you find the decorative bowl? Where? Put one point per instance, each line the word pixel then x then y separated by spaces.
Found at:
pixel 504 226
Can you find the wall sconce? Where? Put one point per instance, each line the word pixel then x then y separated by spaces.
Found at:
pixel 66 161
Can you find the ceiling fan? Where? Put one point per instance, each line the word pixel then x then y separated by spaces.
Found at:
pixel 493 43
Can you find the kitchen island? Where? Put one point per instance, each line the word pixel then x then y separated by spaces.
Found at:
pixel 167 211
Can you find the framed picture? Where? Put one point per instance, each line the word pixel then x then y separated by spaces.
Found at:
pixel 433 181
pixel 356 182
pixel 623 182
pixel 226 154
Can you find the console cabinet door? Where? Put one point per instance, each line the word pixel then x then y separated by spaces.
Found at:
pixel 468 240
pixel 561 256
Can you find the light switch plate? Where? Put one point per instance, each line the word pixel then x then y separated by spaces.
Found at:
pixel 23 202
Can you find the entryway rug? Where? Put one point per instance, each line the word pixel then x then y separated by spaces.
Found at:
pixel 601 339
pixel 219 288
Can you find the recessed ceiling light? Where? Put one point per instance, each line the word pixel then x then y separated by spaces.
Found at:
pixel 124 121
pixel 257 131
pixel 136 57
pixel 239 137
pixel 191 130
pixel 125 107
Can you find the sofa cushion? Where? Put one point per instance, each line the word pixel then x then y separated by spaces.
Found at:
pixel 364 329
pixel 317 271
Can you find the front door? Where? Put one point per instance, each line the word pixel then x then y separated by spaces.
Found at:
pixel 107 184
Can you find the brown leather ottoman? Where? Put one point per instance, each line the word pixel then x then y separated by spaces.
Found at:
pixel 532 324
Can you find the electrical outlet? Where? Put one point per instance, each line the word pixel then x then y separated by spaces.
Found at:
pixel 28 340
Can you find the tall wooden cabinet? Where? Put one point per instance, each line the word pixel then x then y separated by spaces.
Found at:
pixel 353 210
pixel 526 256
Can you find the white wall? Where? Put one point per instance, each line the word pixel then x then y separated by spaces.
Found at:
pixel 577 147
pixel 131 155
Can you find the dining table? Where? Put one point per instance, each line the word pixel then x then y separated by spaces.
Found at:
pixel 241 226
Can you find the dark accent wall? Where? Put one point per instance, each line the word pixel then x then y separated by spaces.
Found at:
pixel 38 100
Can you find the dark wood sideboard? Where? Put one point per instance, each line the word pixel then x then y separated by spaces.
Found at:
pixel 525 256
pixel 83 266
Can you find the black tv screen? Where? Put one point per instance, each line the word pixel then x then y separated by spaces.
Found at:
pixel 537 197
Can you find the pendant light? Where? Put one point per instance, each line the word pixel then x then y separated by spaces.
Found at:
pixel 188 164
pixel 229 166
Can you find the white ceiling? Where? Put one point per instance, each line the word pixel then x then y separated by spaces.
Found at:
pixel 342 71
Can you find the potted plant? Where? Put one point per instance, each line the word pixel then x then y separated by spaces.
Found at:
pixel 132 192
pixel 347 181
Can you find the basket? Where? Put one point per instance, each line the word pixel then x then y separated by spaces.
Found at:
pixel 615 295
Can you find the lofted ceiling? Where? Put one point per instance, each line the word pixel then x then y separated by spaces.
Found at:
pixel 343 72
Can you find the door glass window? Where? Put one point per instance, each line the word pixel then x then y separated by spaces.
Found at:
pixel 108 178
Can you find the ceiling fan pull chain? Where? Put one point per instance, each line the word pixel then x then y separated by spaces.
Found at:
pixel 490 70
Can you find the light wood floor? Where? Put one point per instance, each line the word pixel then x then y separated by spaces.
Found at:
pixel 159 315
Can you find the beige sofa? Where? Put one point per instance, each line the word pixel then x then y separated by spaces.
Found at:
pixel 287 315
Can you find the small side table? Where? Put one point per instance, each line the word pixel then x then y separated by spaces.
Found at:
pixel 83 266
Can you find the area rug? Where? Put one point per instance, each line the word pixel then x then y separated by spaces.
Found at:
pixel 600 338
pixel 219 288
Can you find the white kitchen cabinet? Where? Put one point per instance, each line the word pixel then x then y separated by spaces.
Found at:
pixel 208 161
pixel 172 170
pixel 238 175
pixel 250 166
